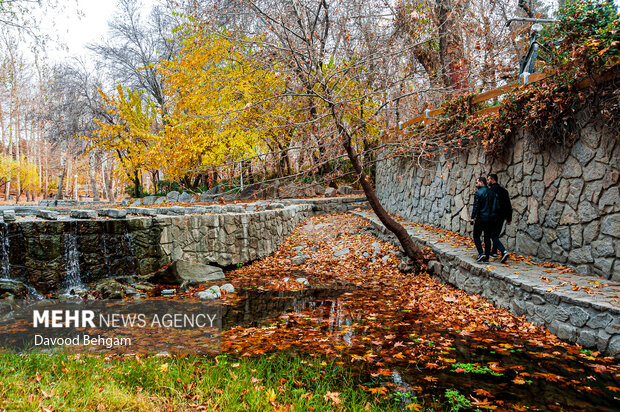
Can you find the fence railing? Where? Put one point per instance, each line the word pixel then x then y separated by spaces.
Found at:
pixel 482 97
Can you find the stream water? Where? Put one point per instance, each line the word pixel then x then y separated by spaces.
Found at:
pixel 508 370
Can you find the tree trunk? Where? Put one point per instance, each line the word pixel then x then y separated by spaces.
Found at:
pixel 93 177
pixel 136 184
pixel 62 174
pixel 18 158
pixel 409 246
pixel 104 185
pixel 451 53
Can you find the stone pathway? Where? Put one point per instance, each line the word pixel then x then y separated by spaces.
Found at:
pixel 578 308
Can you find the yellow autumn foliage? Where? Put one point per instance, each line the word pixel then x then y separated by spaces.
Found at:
pixel 224 107
pixel 130 135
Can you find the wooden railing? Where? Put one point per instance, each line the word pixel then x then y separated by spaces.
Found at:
pixel 611 74
pixel 482 97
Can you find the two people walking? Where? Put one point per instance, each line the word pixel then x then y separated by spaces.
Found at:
pixel 492 208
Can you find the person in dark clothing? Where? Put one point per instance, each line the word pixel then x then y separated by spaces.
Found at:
pixel 504 214
pixel 483 216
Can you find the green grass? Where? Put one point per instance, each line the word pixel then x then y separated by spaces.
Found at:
pixel 75 383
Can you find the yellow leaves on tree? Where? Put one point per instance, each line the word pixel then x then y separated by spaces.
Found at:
pixel 223 107
pixel 12 170
pixel 127 132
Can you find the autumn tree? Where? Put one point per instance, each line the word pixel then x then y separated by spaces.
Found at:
pixel 125 129
pixel 317 48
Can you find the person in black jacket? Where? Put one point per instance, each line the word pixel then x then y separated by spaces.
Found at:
pixel 484 216
pixel 504 214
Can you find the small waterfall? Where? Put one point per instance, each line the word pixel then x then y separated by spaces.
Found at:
pixel 5 265
pixel 106 254
pixel 129 241
pixel 73 281
pixel 33 293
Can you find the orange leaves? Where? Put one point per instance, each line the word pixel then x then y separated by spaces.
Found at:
pixel 381 390
pixel 386 321
pixel 483 392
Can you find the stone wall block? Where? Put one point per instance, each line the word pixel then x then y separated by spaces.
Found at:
pixel 578 317
pixel 582 152
pixel 610 225
pixel 572 168
pixel 594 171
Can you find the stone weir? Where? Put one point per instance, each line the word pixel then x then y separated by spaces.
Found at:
pixel 56 255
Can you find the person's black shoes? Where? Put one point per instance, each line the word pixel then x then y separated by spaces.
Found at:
pixel 482 258
pixel 504 257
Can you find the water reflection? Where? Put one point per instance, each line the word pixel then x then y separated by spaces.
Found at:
pixel 508 368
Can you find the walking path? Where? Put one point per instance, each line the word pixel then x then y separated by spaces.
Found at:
pixel 578 308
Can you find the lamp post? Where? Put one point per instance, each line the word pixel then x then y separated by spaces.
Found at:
pixel 76 188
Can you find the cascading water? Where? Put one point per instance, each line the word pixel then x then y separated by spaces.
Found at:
pixel 73 280
pixel 106 254
pixel 129 241
pixel 5 265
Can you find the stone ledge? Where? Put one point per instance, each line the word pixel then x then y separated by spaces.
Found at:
pixel 588 316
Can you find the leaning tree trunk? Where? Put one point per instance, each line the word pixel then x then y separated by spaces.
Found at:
pixel 411 249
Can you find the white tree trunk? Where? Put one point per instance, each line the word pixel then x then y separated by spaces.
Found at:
pixel 63 172
pixel 93 176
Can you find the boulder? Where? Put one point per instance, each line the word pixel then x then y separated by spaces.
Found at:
pixel 206 197
pixel 160 200
pixel 113 213
pixel 341 252
pixel 216 289
pixel 186 198
pixel 9 215
pixel 215 190
pixel 83 214
pixel 298 260
pixel 330 192
pixel 173 196
pixel 144 287
pixel 319 190
pixel 141 211
pixel 149 200
pixel 13 287
pixel 184 271
pixel 345 190
pixel 206 295
pixel 303 281
pixel 110 289
pixel 47 214
pixel 228 288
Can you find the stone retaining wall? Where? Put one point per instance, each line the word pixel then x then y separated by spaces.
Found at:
pixel 566 200
pixel 39 251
